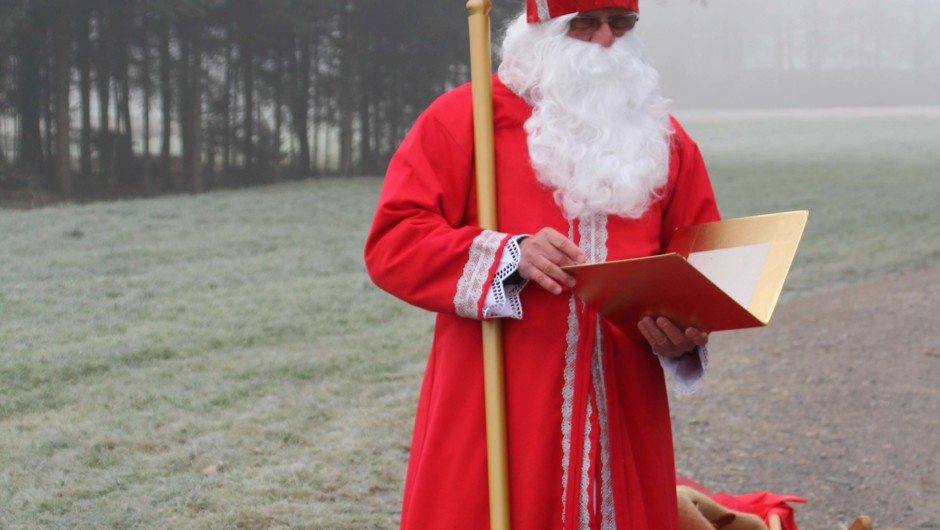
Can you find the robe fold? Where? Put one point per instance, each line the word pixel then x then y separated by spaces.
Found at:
pixel 589 436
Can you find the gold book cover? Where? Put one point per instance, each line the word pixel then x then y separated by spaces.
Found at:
pixel 714 276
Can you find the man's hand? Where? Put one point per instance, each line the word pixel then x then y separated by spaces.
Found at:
pixel 544 254
pixel 668 340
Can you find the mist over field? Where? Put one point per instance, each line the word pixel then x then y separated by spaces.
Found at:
pixel 754 54
pixel 803 53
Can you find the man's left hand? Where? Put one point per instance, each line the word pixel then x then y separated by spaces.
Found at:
pixel 666 339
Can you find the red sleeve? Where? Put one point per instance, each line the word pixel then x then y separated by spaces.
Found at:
pixel 424 246
pixel 689 195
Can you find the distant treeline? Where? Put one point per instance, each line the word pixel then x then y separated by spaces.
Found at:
pixel 146 96
pixel 158 95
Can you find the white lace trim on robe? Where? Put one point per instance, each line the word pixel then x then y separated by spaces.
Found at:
pixel 567 395
pixel 607 512
pixel 472 283
pixel 502 301
pixel 593 242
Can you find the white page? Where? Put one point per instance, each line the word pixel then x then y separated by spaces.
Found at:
pixel 735 270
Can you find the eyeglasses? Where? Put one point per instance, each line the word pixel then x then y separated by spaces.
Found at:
pixel 620 24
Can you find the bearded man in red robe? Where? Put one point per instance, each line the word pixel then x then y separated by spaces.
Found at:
pixel 590 167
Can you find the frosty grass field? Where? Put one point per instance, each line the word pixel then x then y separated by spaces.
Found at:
pixel 223 361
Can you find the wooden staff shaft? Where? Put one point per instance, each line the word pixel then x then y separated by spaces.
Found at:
pixel 484 156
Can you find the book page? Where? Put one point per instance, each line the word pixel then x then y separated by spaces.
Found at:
pixel 735 270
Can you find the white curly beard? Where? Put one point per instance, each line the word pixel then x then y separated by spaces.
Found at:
pixel 599 134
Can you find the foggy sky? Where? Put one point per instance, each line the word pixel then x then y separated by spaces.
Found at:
pixel 799 53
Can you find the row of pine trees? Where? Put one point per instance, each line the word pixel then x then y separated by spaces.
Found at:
pixel 170 95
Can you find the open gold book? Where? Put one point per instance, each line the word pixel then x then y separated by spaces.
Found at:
pixel 713 276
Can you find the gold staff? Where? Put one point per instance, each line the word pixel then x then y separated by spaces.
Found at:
pixel 481 72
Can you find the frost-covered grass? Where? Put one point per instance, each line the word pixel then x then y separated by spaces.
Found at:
pixel 222 360
pixel 211 361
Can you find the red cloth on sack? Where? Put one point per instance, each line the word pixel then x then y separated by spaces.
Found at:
pixel 762 504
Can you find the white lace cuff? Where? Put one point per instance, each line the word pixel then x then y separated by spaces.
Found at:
pixel 687 372
pixel 502 300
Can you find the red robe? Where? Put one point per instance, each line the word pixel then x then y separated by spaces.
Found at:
pixel 589 436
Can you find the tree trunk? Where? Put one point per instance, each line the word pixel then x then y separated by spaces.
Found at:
pixel 366 87
pixel 29 102
pixel 278 110
pixel 229 87
pixel 246 55
pixel 346 97
pixel 47 87
pixel 314 110
pixel 121 18
pixel 182 80
pixel 63 68
pixel 84 67
pixel 166 103
pixel 103 82
pixel 196 173
pixel 47 134
pixel 146 82
pixel 300 101
pixel 190 93
pixel 395 117
pixel 365 116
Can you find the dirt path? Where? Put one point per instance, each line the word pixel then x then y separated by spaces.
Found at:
pixel 838 401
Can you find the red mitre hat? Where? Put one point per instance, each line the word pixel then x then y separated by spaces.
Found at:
pixel 542 10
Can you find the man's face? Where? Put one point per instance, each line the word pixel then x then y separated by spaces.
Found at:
pixel 601 26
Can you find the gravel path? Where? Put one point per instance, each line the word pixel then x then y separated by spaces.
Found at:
pixel 837 400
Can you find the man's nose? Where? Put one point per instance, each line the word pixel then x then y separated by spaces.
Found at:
pixel 603 36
